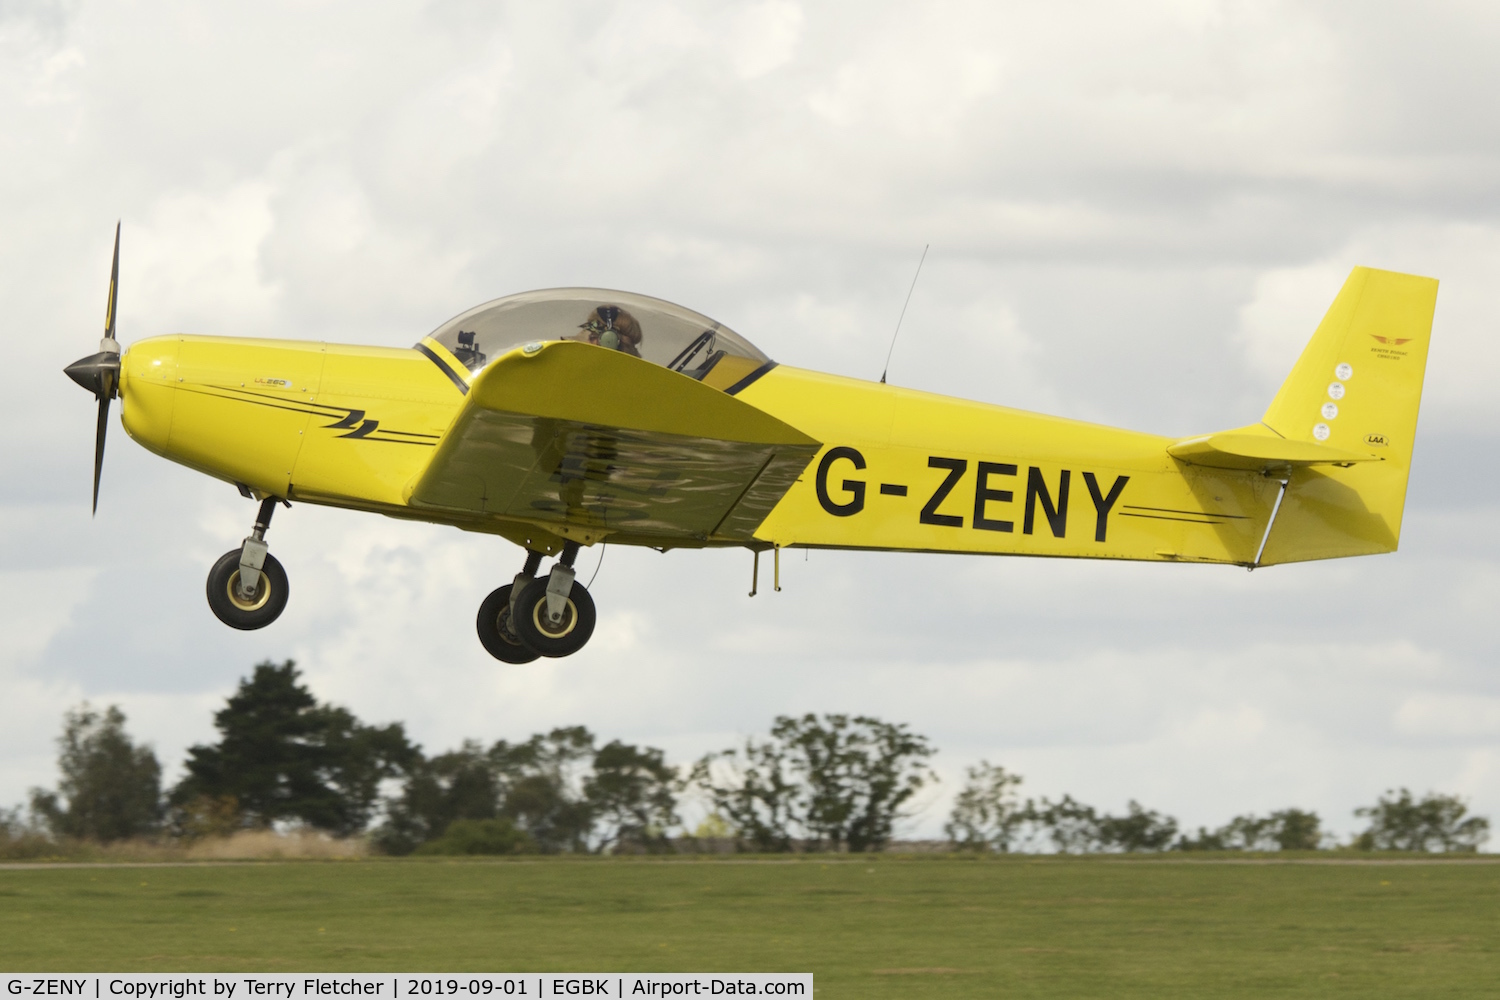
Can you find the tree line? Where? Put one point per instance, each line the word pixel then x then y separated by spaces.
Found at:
pixel 829 782
pixel 989 815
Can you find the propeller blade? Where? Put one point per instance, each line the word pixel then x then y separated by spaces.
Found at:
pixel 100 373
pixel 99 446
pixel 114 285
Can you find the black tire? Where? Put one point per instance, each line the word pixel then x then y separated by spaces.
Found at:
pixel 546 637
pixel 232 609
pixel 495 633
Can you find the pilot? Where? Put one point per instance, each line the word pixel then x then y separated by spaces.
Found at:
pixel 612 327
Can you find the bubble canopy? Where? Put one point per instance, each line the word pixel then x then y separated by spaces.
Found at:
pixel 639 325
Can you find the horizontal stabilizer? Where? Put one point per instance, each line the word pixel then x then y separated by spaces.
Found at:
pixel 578 436
pixel 1258 449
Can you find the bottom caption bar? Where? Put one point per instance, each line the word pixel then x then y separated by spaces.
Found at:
pixel 390 986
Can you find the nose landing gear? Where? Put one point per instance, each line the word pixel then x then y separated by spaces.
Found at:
pixel 247 588
pixel 533 616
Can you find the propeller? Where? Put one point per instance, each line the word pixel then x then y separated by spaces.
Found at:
pixel 100 373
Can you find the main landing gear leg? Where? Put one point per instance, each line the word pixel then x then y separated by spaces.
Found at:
pixel 554 615
pixel 247 588
pixel 497 615
pixel 560 583
pixel 527 574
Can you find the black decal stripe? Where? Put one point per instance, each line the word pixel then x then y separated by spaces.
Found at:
pixel 419 444
pixel 254 402
pixel 1167 517
pixel 363 430
pixel 348 420
pixel 1174 510
pixel 453 376
pixel 750 379
pixel 411 434
pixel 347 417
pixel 317 409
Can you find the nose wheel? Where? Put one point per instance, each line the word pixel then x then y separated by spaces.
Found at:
pixel 247 587
pixel 534 616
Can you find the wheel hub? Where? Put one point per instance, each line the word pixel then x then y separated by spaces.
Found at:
pixel 504 627
pixel 251 601
pixel 554 627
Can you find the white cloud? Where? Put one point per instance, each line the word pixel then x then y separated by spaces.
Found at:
pixel 1450 717
pixel 34 605
pixel 193 264
pixel 763 36
pixel 1464 366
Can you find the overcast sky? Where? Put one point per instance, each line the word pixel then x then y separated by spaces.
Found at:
pixel 1137 214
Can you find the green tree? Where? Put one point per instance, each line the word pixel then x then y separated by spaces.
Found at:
pixel 1139 830
pixel 542 787
pixel 536 786
pixel 480 836
pixel 1204 840
pixel 1075 828
pixel 1283 830
pixel 1399 822
pixel 282 756
pixel 858 772
pixel 987 813
pixel 841 781
pixel 109 788
pixel 631 795
pixel 462 784
pixel 1072 826
pixel 754 792
pixel 1296 830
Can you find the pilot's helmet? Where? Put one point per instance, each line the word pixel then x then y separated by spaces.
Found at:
pixel 467 352
pixel 613 327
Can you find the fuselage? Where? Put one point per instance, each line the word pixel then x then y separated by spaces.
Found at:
pixel 899 469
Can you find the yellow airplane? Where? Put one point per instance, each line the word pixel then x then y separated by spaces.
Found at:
pixel 572 416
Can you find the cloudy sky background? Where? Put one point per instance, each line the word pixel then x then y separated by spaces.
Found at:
pixel 1137 216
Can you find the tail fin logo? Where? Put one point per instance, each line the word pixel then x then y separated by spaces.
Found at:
pixel 1393 341
pixel 1377 440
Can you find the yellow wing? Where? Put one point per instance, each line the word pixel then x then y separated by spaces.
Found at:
pixel 570 434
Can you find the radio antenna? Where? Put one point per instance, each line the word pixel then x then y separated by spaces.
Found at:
pixel 913 288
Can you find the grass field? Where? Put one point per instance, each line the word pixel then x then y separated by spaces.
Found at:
pixel 888 927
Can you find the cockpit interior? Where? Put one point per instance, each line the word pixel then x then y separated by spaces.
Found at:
pixel 652 329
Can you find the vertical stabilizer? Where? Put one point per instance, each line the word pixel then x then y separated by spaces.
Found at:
pixel 1356 388
pixel 1359 381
